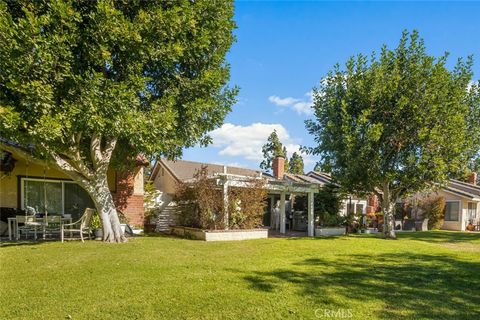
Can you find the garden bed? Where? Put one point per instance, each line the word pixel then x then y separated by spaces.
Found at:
pixel 219 235
pixel 329 231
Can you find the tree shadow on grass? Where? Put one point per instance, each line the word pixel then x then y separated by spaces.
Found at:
pixel 9 243
pixel 410 285
pixel 441 236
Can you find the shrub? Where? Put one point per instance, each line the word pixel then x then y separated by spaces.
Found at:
pixel 327 205
pixel 96 223
pixel 201 204
pixel 433 209
pixel 247 205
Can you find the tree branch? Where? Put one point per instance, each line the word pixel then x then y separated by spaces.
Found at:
pixel 96 151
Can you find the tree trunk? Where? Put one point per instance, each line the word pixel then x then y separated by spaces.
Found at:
pixel 102 197
pixel 388 208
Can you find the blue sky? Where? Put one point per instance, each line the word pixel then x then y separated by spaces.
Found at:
pixel 283 49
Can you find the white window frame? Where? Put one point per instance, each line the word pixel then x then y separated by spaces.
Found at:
pixel 22 189
pixel 460 210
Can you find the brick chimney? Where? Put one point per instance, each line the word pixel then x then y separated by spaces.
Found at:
pixel 473 178
pixel 278 165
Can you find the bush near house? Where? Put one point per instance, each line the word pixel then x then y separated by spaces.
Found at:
pixel 434 210
pixel 327 205
pixel 201 204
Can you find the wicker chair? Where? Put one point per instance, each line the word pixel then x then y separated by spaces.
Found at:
pixel 81 226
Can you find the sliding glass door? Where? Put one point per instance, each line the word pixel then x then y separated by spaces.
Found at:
pixel 55 197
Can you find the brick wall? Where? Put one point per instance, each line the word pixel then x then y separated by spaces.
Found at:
pixel 372 204
pixel 125 198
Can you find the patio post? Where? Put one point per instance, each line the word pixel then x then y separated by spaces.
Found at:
pixel 311 229
pixel 272 212
pixel 225 205
pixel 282 212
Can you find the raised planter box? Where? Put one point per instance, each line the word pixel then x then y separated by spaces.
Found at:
pixel 328 232
pixel 219 235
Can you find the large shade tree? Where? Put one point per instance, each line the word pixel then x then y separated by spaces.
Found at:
pixel 396 123
pixel 91 84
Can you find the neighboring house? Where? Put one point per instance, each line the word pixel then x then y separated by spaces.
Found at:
pixel 28 184
pixel 352 204
pixel 462 203
pixel 167 174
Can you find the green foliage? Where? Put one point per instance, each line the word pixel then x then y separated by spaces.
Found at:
pixel 434 210
pixel 150 74
pixel 327 205
pixel 272 149
pixel 150 194
pixel 318 167
pixel 296 164
pixel 96 223
pixel 201 202
pixel 247 205
pixel 399 122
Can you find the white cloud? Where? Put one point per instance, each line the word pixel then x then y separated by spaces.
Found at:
pixel 283 102
pixel 301 106
pixel 246 141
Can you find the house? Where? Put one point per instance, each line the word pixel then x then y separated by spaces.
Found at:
pixel 352 204
pixel 167 174
pixel 462 203
pixel 23 183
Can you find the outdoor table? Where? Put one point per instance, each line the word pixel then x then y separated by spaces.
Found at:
pixel 12 225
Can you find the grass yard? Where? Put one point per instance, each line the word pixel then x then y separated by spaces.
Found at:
pixel 430 275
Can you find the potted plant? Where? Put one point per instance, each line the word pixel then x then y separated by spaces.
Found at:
pixel 96 225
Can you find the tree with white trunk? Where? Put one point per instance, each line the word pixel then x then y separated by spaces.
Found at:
pixel 90 85
pixel 397 123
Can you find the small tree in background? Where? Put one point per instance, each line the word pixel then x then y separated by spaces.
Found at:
pixel 433 209
pixel 296 165
pixel 273 148
pixel 395 124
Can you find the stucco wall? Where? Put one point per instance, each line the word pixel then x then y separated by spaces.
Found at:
pixel 127 189
pixel 462 221
pixel 9 183
pixel 165 181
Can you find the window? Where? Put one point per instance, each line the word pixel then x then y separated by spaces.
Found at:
pixel 452 210
pixel 55 197
pixel 350 208
pixel 472 211
pixel 359 208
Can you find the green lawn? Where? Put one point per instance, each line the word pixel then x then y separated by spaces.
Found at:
pixel 431 275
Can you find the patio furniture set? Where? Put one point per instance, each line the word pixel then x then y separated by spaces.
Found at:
pixel 49 225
